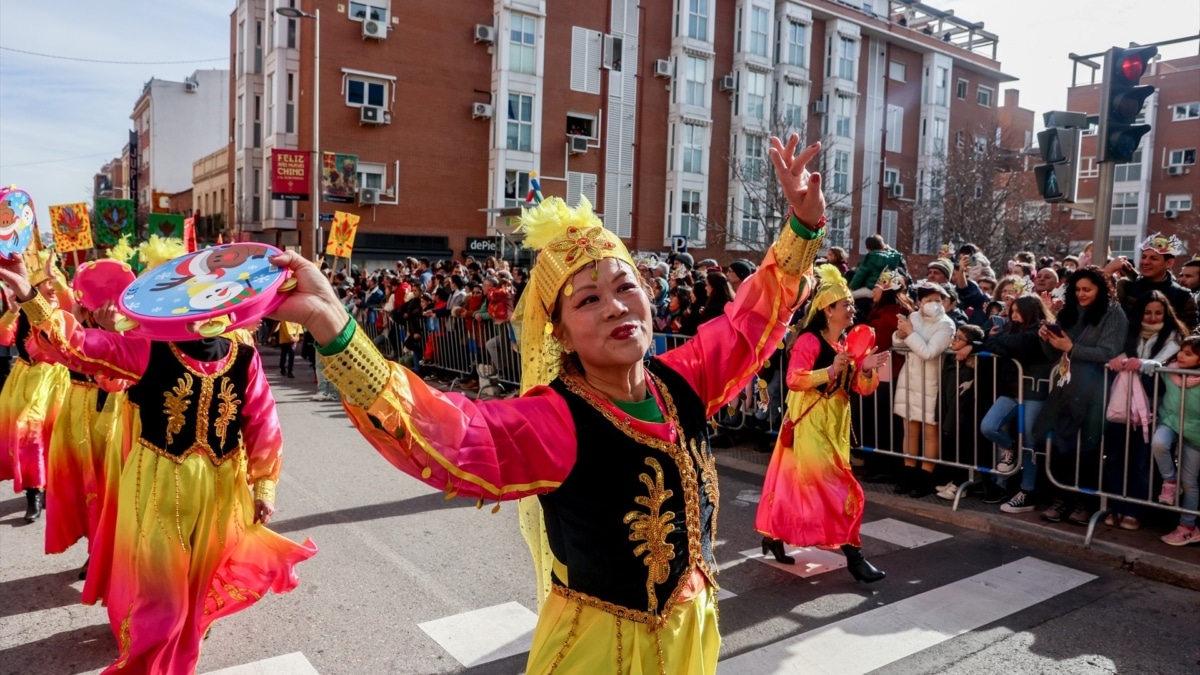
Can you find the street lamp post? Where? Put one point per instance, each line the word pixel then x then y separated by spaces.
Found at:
pixel 293 13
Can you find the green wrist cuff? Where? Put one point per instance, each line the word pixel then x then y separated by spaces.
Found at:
pixel 802 230
pixel 339 343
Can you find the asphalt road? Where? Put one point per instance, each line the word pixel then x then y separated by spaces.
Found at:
pixel 394 555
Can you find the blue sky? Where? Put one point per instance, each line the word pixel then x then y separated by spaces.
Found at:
pixel 60 120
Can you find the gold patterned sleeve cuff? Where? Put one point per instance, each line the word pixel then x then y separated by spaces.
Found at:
pixel 794 254
pixel 37 309
pixel 264 490
pixel 359 371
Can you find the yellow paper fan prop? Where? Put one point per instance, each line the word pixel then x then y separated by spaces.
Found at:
pixel 831 288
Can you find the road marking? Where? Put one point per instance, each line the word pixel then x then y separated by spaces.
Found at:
pixel 484 635
pixel 725 594
pixel 288 664
pixel 901 533
pixel 809 561
pixel 871 640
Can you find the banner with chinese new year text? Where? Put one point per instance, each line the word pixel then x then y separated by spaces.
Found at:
pixel 339 177
pixel 114 219
pixel 289 175
pixel 341 234
pixel 71 226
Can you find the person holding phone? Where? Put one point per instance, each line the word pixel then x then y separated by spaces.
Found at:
pixel 1090 332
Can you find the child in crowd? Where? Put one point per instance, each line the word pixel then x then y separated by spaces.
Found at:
pixel 1170 426
pixel 957 402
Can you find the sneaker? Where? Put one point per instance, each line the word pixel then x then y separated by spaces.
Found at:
pixel 1056 512
pixel 1079 516
pixel 1182 536
pixel 1167 496
pixel 1007 462
pixel 993 494
pixel 948 491
pixel 1130 523
pixel 1022 502
pixel 323 397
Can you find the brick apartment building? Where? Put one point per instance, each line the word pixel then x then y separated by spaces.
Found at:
pixel 109 181
pixel 1156 191
pixel 652 110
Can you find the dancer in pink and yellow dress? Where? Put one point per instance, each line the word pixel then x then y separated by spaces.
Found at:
pixel 810 497
pixel 190 543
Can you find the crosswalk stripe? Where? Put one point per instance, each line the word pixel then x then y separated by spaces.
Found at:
pixel 901 533
pixel 873 639
pixel 810 561
pixel 484 635
pixel 288 664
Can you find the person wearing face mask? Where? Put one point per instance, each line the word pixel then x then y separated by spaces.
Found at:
pixel 926 334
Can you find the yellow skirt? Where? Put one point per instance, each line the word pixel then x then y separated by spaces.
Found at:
pixel 72 502
pixel 28 407
pixel 573 638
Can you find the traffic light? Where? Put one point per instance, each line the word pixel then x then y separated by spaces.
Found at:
pixel 1059 146
pixel 1121 100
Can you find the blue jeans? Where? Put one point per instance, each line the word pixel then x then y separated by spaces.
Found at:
pixel 1189 470
pixel 995 427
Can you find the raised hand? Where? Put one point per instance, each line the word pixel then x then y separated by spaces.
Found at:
pixel 312 303
pixel 15 276
pixel 802 188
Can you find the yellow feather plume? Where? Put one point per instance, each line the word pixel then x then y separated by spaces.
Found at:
pixel 548 220
pixel 158 250
pixel 828 275
pixel 122 251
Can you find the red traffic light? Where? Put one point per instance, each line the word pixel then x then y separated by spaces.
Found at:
pixel 1133 66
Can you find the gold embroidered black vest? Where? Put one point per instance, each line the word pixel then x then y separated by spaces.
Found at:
pixel 636 515
pixel 184 411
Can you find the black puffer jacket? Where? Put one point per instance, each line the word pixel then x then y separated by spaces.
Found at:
pixel 1020 343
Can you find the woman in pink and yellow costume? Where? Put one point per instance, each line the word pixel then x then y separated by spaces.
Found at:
pixel 190 543
pixel 33 393
pixel 810 497
pixel 613 447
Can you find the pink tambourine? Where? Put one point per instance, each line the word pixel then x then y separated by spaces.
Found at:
pixel 98 282
pixel 17 221
pixel 860 341
pixel 205 294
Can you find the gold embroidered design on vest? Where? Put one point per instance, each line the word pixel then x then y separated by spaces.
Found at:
pixel 707 462
pixel 227 410
pixel 651 528
pixel 176 404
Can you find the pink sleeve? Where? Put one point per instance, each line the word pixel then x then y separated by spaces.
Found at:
pixel 728 350
pixel 495 450
pixel 800 373
pixel 60 339
pixel 260 426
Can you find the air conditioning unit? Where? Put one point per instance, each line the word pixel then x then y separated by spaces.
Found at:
pixel 373 114
pixel 368 196
pixel 484 33
pixel 1176 171
pixel 1170 214
pixel 896 190
pixel 662 68
pixel 579 145
pixel 191 86
pixel 374 28
pixel 481 111
pixel 728 83
pixel 820 107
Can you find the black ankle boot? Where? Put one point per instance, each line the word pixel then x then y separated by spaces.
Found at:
pixel 906 482
pixel 923 484
pixel 83 570
pixel 34 501
pixel 858 566
pixel 775 547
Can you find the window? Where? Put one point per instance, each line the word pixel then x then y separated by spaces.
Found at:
pixel 521 49
pixel 983 96
pixel 843 116
pixel 1028 140
pixel 981 144
pixel 750 220
pixel 940 83
pixel 1121 246
pixel 270 31
pixel 939 136
pixel 760 20
pixel 256 201
pixel 1092 129
pixel 241 49
pixel 895 128
pixel 958 139
pixel 290 113
pixel 291 33
pixel 797 43
pixel 960 89
pixel 1124 208
pixel 516 188
pixel 372 176
pixel 1130 171
pixel 689 214
pixel 258 46
pixel 614 50
pixel 256 141
pixel 1076 214
pixel 1088 168
pixel 698 19
pixel 846 53
pixel 839 228
pixel 793 104
pixel 1186 111
pixel 1181 157
pixel 361 91
pixel 1179 202
pixel 581 125
pixel 520 122
pixel 270 104
pixel 841 172
pixel 897 71
pixel 891 177
pixel 695 78
pixel 364 10
pixel 241 128
pixel 693 148
pixel 754 164
pixel 756 94
pixel 888 226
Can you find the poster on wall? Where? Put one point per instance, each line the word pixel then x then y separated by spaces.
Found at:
pixel 289 175
pixel 339 177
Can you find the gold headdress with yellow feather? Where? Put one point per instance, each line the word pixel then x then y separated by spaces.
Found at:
pixel 831 288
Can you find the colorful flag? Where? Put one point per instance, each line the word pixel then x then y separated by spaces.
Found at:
pixel 72 227
pixel 166 225
pixel 341 234
pixel 535 190
pixel 114 219
pixel 189 234
pixel 339 177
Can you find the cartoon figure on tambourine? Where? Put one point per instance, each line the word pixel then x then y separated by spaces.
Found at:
pixel 204 284
pixel 17 220
pixel 212 263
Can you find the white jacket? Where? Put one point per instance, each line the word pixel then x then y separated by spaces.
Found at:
pixel 917 384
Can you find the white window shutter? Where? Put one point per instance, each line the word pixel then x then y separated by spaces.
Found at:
pixel 590 182
pixel 595 53
pixel 888 231
pixel 586 51
pixel 574 187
